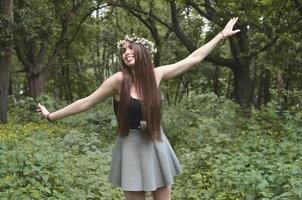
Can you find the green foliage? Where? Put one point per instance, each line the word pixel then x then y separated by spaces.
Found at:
pixel 36 19
pixel 66 167
pixel 54 161
pixel 6 33
pixel 24 110
pixel 225 153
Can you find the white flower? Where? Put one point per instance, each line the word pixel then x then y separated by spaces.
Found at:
pixel 143 41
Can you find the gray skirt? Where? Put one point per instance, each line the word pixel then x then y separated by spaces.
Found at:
pixel 142 165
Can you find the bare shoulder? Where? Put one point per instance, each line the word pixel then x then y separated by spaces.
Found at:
pixel 119 76
pixel 113 82
pixel 158 75
pixel 115 78
pixel 118 79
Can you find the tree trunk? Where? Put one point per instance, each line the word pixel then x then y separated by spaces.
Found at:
pixel 242 86
pixel 4 65
pixel 263 88
pixel 228 92
pixel 66 88
pixel 185 90
pixel 259 97
pixel 32 53
pixel 177 91
pixel 266 87
pixel 216 81
pixel 36 84
pixel 6 41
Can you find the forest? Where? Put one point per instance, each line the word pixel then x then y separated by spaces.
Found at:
pixel 234 120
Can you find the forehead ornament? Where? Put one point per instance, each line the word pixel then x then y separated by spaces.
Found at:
pixel 143 41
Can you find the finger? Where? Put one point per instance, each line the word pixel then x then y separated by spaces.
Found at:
pixel 233 22
pixel 230 21
pixel 234 19
pixel 236 31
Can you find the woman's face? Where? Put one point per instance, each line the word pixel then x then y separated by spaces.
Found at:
pixel 128 54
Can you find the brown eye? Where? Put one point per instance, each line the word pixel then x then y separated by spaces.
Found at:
pixel 124 50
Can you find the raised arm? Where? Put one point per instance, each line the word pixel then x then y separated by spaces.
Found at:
pixel 108 88
pixel 172 70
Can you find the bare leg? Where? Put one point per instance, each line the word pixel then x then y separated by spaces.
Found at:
pixel 163 193
pixel 134 195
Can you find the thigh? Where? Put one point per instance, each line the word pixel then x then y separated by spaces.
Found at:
pixel 134 195
pixel 163 193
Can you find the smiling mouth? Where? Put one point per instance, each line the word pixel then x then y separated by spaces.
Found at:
pixel 129 58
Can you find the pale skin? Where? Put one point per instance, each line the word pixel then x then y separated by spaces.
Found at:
pixel 111 88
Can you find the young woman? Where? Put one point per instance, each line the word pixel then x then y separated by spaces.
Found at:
pixel 143 159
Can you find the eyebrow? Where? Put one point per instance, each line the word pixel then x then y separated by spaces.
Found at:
pixel 128 46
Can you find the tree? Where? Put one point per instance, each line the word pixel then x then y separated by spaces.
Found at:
pixel 265 18
pixel 48 28
pixel 261 23
pixel 6 41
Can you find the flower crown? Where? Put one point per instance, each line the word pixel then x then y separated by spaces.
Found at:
pixel 143 41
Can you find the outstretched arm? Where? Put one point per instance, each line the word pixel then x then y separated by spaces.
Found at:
pixel 108 88
pixel 172 70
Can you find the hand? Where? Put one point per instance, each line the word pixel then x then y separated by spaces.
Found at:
pixel 42 110
pixel 228 29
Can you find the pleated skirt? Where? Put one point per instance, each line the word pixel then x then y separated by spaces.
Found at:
pixel 139 164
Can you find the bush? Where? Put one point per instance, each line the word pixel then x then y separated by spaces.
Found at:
pixel 65 160
pixel 225 153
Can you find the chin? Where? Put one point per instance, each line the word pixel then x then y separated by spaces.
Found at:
pixel 130 65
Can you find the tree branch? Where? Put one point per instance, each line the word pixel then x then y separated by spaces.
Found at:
pixel 129 7
pixel 82 21
pixel 298 6
pixel 177 29
pixel 42 52
pixel 20 53
pixel 201 12
pixel 62 41
pixel 188 43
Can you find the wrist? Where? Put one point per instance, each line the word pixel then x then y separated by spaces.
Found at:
pixel 222 35
pixel 48 117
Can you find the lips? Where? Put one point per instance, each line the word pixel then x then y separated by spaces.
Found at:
pixel 129 58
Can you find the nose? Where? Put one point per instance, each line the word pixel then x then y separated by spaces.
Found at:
pixel 127 51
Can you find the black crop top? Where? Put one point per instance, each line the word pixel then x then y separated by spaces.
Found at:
pixel 134 115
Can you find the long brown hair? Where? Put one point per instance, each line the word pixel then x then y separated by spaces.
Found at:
pixel 143 79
